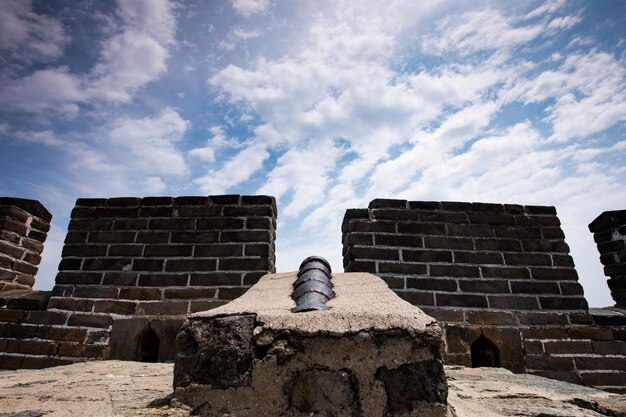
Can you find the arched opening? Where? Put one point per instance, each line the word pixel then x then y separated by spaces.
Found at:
pixel 148 346
pixel 484 353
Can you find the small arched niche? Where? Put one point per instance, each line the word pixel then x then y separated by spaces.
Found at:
pixel 485 353
pixel 148 346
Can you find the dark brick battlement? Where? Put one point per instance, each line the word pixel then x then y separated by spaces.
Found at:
pixel 24 226
pixel 496 275
pixel 132 269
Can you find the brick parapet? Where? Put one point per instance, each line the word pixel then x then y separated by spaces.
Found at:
pixel 135 264
pixel 609 233
pixel 470 255
pixel 24 225
pixel 499 270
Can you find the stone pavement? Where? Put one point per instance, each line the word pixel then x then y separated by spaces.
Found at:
pixel 115 388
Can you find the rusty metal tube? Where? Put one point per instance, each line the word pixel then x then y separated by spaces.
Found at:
pixel 313 286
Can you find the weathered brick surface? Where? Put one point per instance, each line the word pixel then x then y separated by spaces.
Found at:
pixel 153 259
pixel 609 231
pixel 500 270
pixel 24 225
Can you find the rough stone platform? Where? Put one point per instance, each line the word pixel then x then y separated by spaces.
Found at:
pixel 369 354
pixel 114 388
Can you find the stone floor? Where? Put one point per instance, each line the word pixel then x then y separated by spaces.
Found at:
pixel 114 388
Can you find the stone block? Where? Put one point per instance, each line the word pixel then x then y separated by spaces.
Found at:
pixel 478 258
pixel 563 303
pixel 125 250
pixel 394 214
pixel 141 293
pixel 513 302
pixel 153 237
pixel 549 363
pixel 89 320
pixel 547 318
pixel 391 203
pixel 372 226
pixel 120 278
pixel 527 259
pixel 589 332
pixel 612 363
pixel 444 314
pixel 568 347
pixel 402 268
pixel 421 228
pixel 341 363
pixel 155 265
pixel 552 233
pixel 409 241
pixel 426 256
pixel 492 318
pixel 454 271
pixel 45 317
pixel 417 298
pixel 534 287
pixel 163 308
pixel 111 237
pixel 189 293
pixel 242 264
pixel 246 211
pixel 114 307
pixel 505 272
pixel 470 230
pixel 163 280
pixel 130 224
pixel 230 293
pixel 486 286
pixel 460 300
pixel 604 378
pixel 94 291
pixel 225 223
pixel 555 274
pixel 436 242
pixel 225 250
pixel 217 279
pixel 505 245
pixel 196 237
pixel 431 284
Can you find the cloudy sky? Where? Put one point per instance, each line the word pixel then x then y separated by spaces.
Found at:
pixel 322 104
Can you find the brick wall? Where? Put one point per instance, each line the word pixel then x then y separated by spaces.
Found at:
pixel 24 225
pixel 132 269
pixel 495 272
pixel 609 232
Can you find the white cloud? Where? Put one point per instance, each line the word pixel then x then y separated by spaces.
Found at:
pixel 44 137
pixel 128 61
pixel 206 154
pixel 305 171
pixel 137 56
pixel 249 8
pixel 480 30
pixel 218 141
pixel 547 8
pixel 564 22
pixel 235 171
pixel 28 36
pixel 152 17
pixel 51 90
pixel 154 185
pixel 152 141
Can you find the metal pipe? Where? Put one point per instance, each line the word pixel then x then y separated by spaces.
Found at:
pixel 313 288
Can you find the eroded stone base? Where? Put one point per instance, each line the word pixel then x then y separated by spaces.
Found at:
pixel 234 366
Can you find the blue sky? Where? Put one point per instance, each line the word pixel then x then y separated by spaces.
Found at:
pixel 323 104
